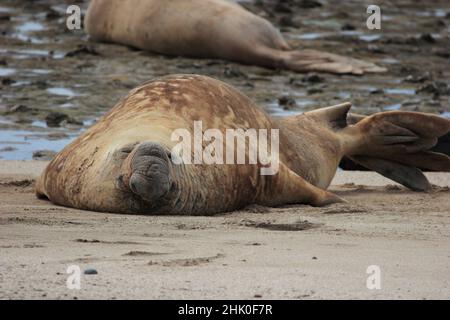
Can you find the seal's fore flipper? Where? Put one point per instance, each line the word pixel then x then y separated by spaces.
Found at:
pixel 402 140
pixel 287 187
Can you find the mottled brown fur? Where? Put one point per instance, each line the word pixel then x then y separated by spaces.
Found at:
pixel 207 29
pixel 105 168
pixel 84 174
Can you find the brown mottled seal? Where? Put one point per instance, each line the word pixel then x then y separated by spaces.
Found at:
pixel 207 29
pixel 123 163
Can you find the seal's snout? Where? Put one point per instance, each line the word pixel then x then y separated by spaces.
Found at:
pixel 150 172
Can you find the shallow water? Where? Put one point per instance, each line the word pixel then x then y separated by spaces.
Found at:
pixel 59 91
pixel 396 106
pixel 400 91
pixel 85 86
pixel 24 143
pixel 352 33
pixel 24 30
pixel 7 72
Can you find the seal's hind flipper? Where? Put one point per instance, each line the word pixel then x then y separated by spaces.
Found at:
pixel 396 144
pixel 313 60
pixel 410 177
pixel 334 117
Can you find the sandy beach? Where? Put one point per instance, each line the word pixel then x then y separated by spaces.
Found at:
pixel 294 252
pixel 55 83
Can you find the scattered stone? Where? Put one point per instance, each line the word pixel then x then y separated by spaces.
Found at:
pixel 434 24
pixel 413 41
pixel 436 88
pixel 308 4
pixel 87 241
pixel 287 103
pixel 7 149
pixel 426 37
pixel 341 15
pixel 7 81
pixel 19 108
pixel 296 226
pixel 57 136
pixel 141 253
pixel 4 16
pixel 43 155
pixel 416 79
pixel 56 119
pixel 314 91
pixel 52 14
pixel 288 21
pixel 189 65
pixel 22 120
pixel 444 53
pixel 255 208
pixel 249 84
pixel 257 296
pixel 312 78
pixel 90 271
pixel 375 49
pixel 392 187
pixel 41 84
pixel 348 27
pixel 376 91
pixel 82 50
pixel 282 8
pixel 233 72
pixel 314 258
pixel 409 69
pixel 296 82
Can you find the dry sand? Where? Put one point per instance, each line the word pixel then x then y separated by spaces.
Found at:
pixel 296 252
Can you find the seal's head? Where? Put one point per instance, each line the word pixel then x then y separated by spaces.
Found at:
pixel 148 173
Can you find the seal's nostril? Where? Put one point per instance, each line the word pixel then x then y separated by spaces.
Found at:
pixel 134 184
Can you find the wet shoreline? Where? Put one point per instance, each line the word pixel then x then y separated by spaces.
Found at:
pixel 54 83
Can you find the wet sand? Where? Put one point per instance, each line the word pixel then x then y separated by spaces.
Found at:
pixel 294 252
pixel 54 83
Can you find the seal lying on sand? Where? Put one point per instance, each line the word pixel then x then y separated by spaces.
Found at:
pixel 207 29
pixel 125 163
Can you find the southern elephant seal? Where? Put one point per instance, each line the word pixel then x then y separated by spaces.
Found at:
pixel 208 29
pixel 125 162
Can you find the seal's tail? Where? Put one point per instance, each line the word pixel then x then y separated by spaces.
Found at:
pixel 313 60
pixel 396 144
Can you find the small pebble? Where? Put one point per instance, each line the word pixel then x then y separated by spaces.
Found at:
pixel 90 271
pixel 287 103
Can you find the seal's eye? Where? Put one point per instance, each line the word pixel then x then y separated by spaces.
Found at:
pixel 119 183
pixel 128 148
pixel 124 151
